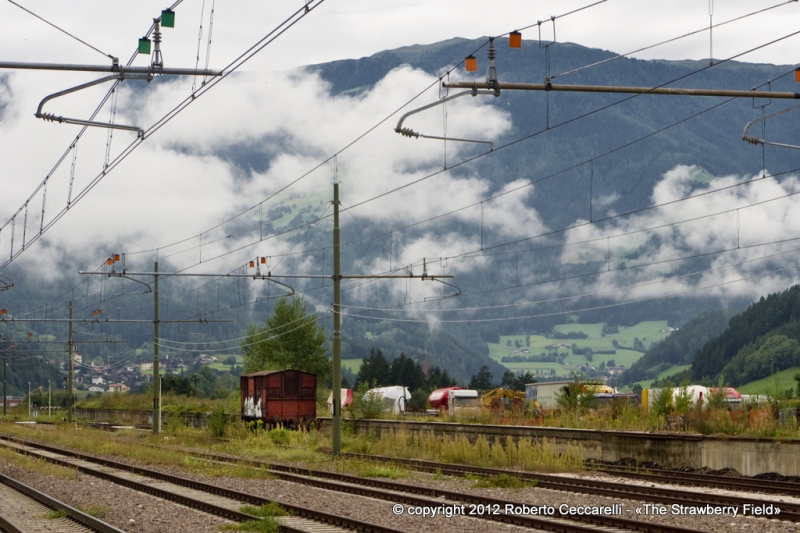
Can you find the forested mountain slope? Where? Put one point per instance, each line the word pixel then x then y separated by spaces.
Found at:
pixel 679 348
pixel 761 340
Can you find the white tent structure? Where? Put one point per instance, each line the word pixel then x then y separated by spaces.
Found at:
pixel 347 399
pixel 394 398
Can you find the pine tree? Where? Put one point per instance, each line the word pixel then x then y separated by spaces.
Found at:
pixel 291 338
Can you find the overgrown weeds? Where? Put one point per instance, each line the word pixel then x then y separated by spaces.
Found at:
pixel 528 454
pixel 267 523
pixel 504 481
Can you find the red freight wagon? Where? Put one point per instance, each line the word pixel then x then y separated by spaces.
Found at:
pixel 287 397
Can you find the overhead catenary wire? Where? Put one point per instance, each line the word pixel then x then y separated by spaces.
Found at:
pixel 573 311
pixel 65 32
pixel 673 39
pixel 564 123
pixel 230 68
pixel 313 317
pixel 341 150
pixel 592 294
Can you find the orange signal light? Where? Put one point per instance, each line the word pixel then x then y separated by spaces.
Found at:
pixel 471 64
pixel 797 75
pixel 116 257
pixel 515 39
pixel 3 311
pixel 252 264
pixel 30 335
pixel 263 260
pixel 109 261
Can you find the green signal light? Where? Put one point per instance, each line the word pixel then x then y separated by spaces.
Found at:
pixel 168 18
pixel 144 45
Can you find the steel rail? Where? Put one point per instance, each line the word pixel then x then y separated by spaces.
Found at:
pixel 677 477
pixel 401 493
pixel 788 511
pixel 318 516
pixel 674 91
pixel 9 527
pixel 306 476
pixel 82 518
pixel 295 474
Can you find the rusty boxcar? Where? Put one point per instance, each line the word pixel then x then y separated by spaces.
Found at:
pixel 287 397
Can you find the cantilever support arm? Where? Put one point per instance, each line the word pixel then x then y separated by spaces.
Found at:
pixel 408 132
pixel 756 140
pixel 458 292
pixel 269 278
pixel 54 118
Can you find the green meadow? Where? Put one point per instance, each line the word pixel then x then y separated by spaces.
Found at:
pixel 647 332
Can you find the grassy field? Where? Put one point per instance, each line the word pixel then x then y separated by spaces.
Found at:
pixel 352 365
pixel 645 384
pixel 763 386
pixel 648 332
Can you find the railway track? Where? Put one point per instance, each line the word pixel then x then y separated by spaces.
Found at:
pixel 788 511
pixel 202 496
pixel 24 509
pixel 677 477
pixel 490 509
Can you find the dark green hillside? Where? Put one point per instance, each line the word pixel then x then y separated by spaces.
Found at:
pixel 757 342
pixel 679 348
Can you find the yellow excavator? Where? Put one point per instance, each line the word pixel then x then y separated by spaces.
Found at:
pixel 500 399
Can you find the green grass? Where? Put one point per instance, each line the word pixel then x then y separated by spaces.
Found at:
pixel 503 481
pixel 763 386
pixel 353 365
pixel 645 383
pixel 97 511
pixel 270 509
pixel 648 332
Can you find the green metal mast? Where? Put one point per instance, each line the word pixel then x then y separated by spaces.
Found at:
pixel 336 441
pixel 156 340
pixel 69 375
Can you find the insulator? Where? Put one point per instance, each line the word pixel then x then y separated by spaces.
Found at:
pixel 408 132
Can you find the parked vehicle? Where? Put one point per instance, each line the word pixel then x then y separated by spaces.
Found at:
pixel 547 392
pixel 453 399
pixel 287 397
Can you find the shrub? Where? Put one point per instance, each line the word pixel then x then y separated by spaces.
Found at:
pixel 218 422
pixel 683 401
pixel 662 403
pixel 279 436
pixel 366 405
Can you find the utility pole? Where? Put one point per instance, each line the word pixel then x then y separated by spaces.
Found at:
pixel 69 375
pixel 49 399
pixel 156 340
pixel 269 276
pixel 29 399
pixel 5 367
pixel 336 415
